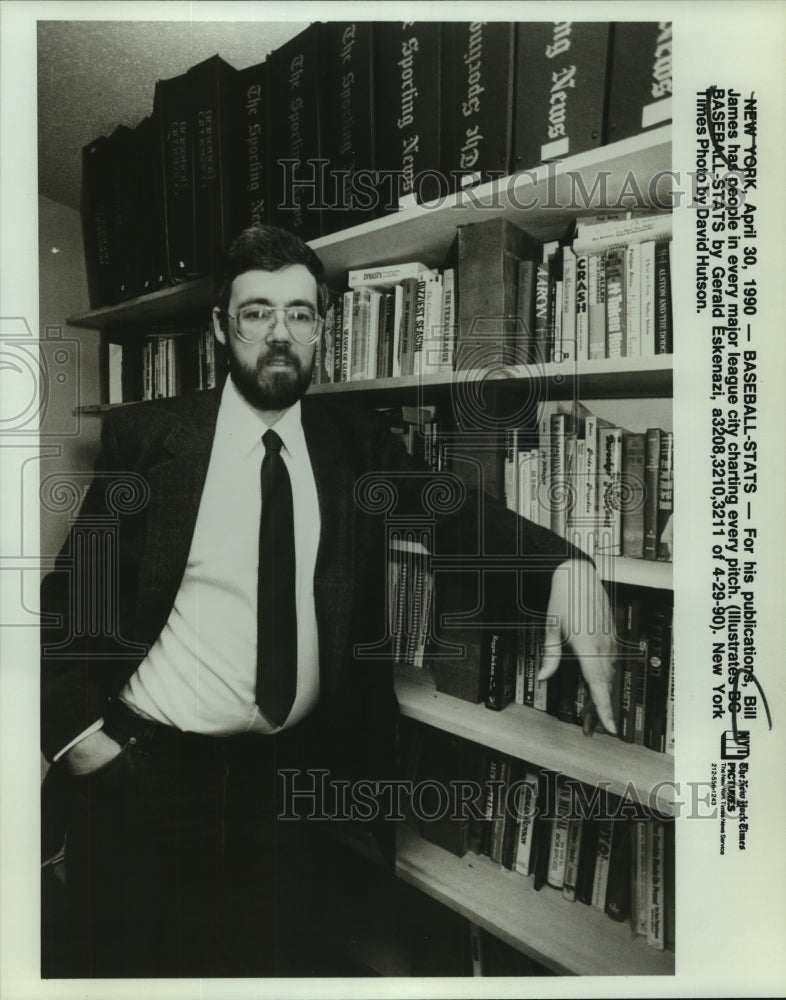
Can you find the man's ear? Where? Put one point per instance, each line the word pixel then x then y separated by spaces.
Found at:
pixel 218 329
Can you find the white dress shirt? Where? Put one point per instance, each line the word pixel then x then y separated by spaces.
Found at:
pixel 200 674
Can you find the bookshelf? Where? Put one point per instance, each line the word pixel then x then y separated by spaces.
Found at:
pixel 569 938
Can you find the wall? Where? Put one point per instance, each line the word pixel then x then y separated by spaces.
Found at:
pixel 70 356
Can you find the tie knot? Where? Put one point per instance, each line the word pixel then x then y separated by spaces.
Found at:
pixel 272 442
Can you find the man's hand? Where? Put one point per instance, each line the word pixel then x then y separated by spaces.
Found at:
pixel 579 614
pixel 94 751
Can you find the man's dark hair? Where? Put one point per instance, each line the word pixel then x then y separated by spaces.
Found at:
pixel 267 248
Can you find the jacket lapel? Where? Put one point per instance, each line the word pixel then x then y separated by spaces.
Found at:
pixel 176 481
pixel 335 568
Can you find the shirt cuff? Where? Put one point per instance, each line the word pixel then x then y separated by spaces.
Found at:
pixel 98 724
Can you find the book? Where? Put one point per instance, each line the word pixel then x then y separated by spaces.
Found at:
pixel 632 345
pixel 488 266
pixel 600 881
pixel 638 878
pixel 609 490
pixel 97 222
pixel 616 314
pixel 560 90
pixel 173 106
pixel 446 758
pixel 652 450
pixel 297 122
pixel 655 884
pixel 499 667
pixel 596 305
pixel 658 675
pixel 619 230
pixel 618 886
pixel 407 111
pixel 587 858
pixel 582 307
pixel 477 101
pixel 647 254
pixel 250 162
pixel 640 78
pixel 454 650
pixel 663 315
pixel 499 813
pixel 664 537
pixel 211 86
pixel 125 213
pixel 385 275
pixel 348 135
pixel 567 340
pixel 632 494
pixel 572 857
pixel 526 813
pixel 558 849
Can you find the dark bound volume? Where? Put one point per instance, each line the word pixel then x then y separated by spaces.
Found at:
pixel 250 153
pixel 618 886
pixel 212 90
pixel 123 200
pixel 172 104
pixel 349 124
pixel 407 58
pixel 640 78
pixel 297 87
pixel 658 669
pixel 97 221
pixel 477 101
pixel 560 90
pixel 453 652
pixel 151 261
pixel 447 759
pixel 489 253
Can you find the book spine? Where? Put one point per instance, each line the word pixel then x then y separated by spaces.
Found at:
pixel 582 307
pixel 647 254
pixel 658 674
pixel 420 328
pixel 560 90
pixel 559 838
pixel 655 884
pixel 633 455
pixel 669 747
pixel 618 887
pixel 557 465
pixel 526 809
pixel 251 134
pixel 409 305
pixel 640 692
pixel 609 506
pixel 572 855
pixel 385 277
pixel 615 303
pixel 477 94
pixel 640 88
pixel 665 497
pixel 542 348
pixel 651 491
pixel 511 478
pixel 448 333
pixel 173 107
pixel 663 314
pixel 639 878
pixel 347 334
pixel 632 346
pixel 361 333
pixel 602 865
pixel 596 298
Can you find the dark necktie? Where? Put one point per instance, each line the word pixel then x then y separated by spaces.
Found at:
pixel 277 618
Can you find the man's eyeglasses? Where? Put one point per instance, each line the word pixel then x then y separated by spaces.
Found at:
pixel 254 323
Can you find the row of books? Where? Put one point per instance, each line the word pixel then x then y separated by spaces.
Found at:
pixel 608 292
pixel 606 489
pixel 159 365
pixel 589 845
pixel 477 660
pixel 346 121
pixel 392 321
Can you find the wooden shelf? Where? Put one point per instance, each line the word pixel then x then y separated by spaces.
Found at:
pixel 637 572
pixel 568 937
pixel 543 201
pixel 543 740
pixel 189 296
pixel 610 377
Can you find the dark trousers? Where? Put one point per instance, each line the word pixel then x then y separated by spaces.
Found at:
pixel 176 863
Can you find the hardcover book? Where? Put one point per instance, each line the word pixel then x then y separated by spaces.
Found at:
pixel 477 101
pixel 560 90
pixel 250 148
pixel 640 89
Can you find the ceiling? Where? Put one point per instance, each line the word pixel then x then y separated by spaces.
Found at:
pixel 94 75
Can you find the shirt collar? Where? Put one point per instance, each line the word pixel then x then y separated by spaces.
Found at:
pixel 242 428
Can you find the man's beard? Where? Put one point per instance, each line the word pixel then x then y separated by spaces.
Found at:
pixel 270 388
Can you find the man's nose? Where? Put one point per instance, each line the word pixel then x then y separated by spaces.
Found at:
pixel 278 330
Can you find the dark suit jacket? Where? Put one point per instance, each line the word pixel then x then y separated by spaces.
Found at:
pixel 141 534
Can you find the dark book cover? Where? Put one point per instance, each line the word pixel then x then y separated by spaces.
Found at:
pixel 407 111
pixel 125 214
pixel 524 338
pixel 489 253
pixel 542 344
pixel 151 253
pixel 541 844
pixel 587 855
pixel 250 148
pixel 629 634
pixel 348 136
pixel 665 496
pixel 212 86
pixel 513 807
pixel 640 84
pixel 98 222
pixel 477 101
pixel 477 823
pixel 447 759
pixel 561 71
pixel 640 688
pixel 658 668
pixel 454 647
pixel 618 886
pixel 651 491
pixel 664 331
pixel 632 495
pixel 172 111
pixel 497 829
pixel 297 87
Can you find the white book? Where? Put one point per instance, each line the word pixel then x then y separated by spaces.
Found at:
pixel 526 806
pixel 647 252
pixel 633 301
pixel 656 884
pixel 448 321
pixel 385 275
pixel 582 307
pixel 346 337
pixel 567 340
pixel 602 865
pixel 398 311
pixel 573 853
pixel 432 332
pixel 375 299
pixel 615 232
pixel 609 485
